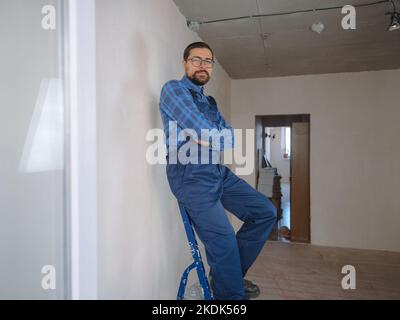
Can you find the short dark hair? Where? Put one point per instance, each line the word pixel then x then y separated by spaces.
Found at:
pixel 195 45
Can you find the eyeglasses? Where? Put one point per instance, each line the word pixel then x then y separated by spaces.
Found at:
pixel 197 61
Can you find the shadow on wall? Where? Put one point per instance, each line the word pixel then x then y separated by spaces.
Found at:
pixel 152 211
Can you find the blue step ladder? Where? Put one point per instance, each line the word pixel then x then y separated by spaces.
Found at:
pixel 197 261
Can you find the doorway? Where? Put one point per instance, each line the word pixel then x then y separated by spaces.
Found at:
pixel 283 174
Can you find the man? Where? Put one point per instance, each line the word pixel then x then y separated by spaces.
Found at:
pixel 206 189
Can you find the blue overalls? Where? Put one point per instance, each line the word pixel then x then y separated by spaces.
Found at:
pixel 206 190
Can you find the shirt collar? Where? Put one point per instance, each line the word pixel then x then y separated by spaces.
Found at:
pixel 188 83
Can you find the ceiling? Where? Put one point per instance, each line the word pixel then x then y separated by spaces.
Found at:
pixel 291 48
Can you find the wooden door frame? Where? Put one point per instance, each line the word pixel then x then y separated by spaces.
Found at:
pixel 305 207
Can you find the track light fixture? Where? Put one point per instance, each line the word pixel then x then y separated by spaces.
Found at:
pixel 317 27
pixel 193 25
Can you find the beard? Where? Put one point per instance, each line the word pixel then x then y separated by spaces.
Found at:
pixel 200 78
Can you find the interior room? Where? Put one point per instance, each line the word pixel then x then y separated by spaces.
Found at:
pixel 314 83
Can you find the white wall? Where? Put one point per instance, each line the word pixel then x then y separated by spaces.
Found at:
pixel 355 167
pixel 142 245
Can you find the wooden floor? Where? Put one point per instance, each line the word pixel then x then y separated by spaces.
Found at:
pixel 304 271
pixel 285 218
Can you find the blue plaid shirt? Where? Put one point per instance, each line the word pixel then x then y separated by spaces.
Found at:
pixel 177 104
